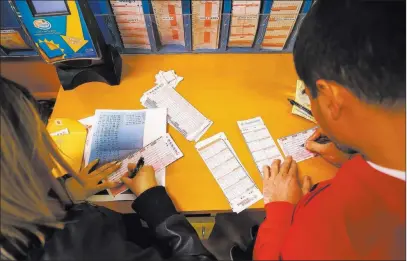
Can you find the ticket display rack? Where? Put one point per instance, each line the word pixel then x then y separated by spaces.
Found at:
pixel 182 26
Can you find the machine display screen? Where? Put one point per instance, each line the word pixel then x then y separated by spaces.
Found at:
pixel 48 7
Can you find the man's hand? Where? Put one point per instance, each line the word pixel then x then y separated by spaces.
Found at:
pixel 86 182
pixel 328 151
pixel 144 179
pixel 280 183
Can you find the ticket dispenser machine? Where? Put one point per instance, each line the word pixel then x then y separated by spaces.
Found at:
pixel 66 34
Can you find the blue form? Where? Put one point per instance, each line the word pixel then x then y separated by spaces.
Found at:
pixel 116 134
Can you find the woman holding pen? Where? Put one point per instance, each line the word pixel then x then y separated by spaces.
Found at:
pixel 45 218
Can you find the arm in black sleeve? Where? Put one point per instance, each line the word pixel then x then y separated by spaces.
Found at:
pixel 156 208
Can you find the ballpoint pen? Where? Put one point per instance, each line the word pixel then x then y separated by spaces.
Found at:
pixel 139 165
pixel 320 140
pixel 294 103
pixel 325 140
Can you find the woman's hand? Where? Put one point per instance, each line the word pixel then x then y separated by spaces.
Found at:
pixel 328 151
pixel 280 183
pixel 144 179
pixel 86 182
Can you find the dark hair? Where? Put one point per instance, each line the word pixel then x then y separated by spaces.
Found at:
pixel 358 44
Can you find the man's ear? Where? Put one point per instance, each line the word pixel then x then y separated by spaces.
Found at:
pixel 331 96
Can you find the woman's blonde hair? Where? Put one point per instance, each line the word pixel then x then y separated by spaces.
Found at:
pixel 28 158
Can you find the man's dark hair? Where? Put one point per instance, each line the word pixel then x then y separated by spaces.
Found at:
pixel 358 44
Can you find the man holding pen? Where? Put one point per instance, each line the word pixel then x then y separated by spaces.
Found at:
pixel 351 56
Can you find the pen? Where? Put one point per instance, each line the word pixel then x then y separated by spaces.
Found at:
pixel 139 165
pixel 320 140
pixel 294 103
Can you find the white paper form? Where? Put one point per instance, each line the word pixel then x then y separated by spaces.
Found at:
pixel 261 145
pixel 87 123
pixel 206 19
pixel 293 145
pixel 281 22
pixel 238 187
pixel 170 21
pixel 302 98
pixel 181 114
pixel 131 22
pixel 245 18
pixel 155 126
pixel 158 154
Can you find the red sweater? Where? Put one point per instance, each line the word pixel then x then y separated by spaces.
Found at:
pixel 359 214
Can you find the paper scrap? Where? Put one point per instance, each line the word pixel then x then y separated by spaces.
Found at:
pixel 293 145
pixel 230 174
pixel 158 154
pixel 261 145
pixel 302 98
pixel 181 114
pixel 169 78
pixel 60 133
pixel 88 121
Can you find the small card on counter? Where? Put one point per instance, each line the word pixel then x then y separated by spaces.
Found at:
pixel 293 145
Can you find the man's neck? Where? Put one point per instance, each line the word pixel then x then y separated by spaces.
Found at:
pixel 384 141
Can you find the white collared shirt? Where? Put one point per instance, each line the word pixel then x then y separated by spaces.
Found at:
pixel 398 174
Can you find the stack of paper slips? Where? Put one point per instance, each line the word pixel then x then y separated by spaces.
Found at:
pixel 181 114
pixel 169 78
pixel 302 99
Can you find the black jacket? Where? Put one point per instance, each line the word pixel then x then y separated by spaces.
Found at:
pixel 97 233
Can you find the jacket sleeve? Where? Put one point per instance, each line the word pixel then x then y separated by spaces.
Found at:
pixel 171 228
pixel 273 230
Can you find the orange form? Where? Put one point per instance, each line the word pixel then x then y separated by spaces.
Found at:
pixel 171 11
pixel 279 28
pixel 288 8
pixel 273 45
pixel 241 34
pixel 175 35
pixel 208 14
pixel 207 37
pixel 275 37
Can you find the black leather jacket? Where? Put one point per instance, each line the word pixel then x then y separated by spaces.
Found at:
pixel 97 233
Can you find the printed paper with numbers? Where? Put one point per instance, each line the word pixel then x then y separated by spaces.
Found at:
pixel 158 154
pixel 293 145
pixel 261 145
pixel 181 114
pixel 238 187
pixel 114 134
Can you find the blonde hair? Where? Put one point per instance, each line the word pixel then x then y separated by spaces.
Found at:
pixel 28 157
